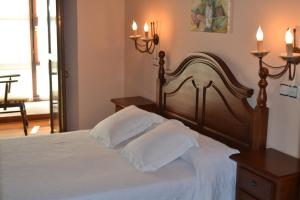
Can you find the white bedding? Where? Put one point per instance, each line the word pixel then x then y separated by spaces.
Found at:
pixel 73 166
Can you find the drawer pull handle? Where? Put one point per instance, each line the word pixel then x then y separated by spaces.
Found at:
pixel 253 183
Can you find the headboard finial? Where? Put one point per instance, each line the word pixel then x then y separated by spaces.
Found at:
pixel 161 55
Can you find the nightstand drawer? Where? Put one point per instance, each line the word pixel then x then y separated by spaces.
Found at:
pixel 244 196
pixel 255 185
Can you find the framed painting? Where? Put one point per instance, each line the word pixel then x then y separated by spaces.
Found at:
pixel 210 15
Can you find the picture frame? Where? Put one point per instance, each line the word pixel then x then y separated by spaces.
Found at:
pixel 210 16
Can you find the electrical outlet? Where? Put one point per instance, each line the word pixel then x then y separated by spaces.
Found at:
pixel 293 91
pixel 284 89
pixel 289 89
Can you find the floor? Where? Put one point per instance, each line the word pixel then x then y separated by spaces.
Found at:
pixel 32 108
pixel 15 129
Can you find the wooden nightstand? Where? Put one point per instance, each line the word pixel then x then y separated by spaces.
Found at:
pixel 138 101
pixel 267 175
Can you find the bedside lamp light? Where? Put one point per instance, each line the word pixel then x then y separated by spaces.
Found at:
pixel 148 43
pixel 289 39
pixel 146 29
pixel 292 60
pixel 134 28
pixel 260 40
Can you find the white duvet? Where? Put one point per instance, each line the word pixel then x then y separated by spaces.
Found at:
pixel 73 166
pixel 215 172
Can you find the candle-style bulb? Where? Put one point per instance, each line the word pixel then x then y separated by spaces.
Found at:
pixel 260 39
pixel 134 26
pixel 259 34
pixel 289 39
pixel 146 27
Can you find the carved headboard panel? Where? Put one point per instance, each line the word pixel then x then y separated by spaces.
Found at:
pixel 204 94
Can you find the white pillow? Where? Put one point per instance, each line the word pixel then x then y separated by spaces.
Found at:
pixel 160 146
pixel 123 125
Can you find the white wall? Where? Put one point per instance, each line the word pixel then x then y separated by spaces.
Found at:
pixel 177 40
pixel 95 45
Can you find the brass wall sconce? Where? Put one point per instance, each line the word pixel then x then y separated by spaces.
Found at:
pixel 292 58
pixel 146 43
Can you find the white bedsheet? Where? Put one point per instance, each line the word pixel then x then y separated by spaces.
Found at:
pixel 73 166
pixel 215 172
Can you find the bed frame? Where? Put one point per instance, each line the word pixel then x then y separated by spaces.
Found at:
pixel 203 93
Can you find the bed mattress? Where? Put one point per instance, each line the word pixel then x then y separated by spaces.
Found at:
pixel 73 166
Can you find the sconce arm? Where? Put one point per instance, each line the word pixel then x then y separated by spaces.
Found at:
pixel 146 47
pixel 292 76
pixel 280 74
pixel 151 48
pixel 272 67
pixel 142 48
pixel 287 67
pixel 139 45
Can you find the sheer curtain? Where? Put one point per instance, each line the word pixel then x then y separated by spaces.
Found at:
pixel 15 47
pixel 42 67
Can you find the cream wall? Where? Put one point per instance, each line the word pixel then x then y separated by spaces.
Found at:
pixel 177 40
pixel 94 38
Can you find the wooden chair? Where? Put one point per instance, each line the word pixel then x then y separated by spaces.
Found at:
pixel 8 101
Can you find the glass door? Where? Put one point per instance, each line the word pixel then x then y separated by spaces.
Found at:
pixel 56 69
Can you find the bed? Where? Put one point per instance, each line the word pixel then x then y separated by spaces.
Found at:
pixel 201 92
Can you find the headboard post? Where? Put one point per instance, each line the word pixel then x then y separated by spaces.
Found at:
pixel 261 112
pixel 161 80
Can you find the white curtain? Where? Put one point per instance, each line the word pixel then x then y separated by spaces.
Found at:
pixel 42 68
pixel 15 48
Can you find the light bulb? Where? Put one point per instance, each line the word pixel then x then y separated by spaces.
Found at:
pixel 146 27
pixel 259 34
pixel 289 39
pixel 134 26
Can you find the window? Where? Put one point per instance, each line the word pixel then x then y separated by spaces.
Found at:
pixel 15 44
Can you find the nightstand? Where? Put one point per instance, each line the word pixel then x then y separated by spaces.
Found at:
pixel 267 175
pixel 138 101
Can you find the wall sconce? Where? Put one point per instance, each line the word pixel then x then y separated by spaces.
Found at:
pixel 292 58
pixel 147 43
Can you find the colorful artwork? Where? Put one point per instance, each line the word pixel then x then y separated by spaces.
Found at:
pixel 210 15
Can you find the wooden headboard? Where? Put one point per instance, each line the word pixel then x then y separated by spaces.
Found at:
pixel 203 93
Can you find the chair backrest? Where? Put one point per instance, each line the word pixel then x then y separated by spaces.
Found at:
pixel 8 80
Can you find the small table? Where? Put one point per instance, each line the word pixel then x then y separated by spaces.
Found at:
pixel 267 175
pixel 138 101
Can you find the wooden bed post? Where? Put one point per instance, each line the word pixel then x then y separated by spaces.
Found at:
pixel 161 80
pixel 261 112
